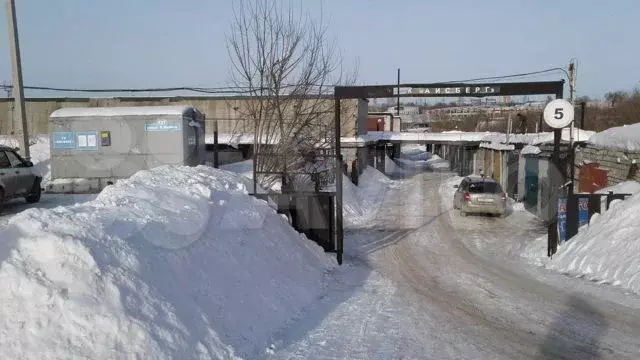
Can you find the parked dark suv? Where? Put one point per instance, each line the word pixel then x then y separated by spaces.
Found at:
pixel 17 178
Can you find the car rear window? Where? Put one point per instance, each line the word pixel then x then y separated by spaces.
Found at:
pixel 485 187
pixel 4 160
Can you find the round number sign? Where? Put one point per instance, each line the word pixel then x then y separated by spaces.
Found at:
pixel 558 113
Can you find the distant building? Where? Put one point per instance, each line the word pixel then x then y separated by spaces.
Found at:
pixel 404 110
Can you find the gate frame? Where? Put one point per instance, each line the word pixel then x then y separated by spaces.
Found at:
pixel 365 92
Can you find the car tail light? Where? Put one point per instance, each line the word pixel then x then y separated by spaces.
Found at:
pixel 503 197
pixel 467 197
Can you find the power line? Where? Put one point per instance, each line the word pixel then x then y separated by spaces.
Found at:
pixel 213 90
pixel 251 90
pixel 512 75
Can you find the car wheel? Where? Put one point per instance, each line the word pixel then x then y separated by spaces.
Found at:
pixel 36 193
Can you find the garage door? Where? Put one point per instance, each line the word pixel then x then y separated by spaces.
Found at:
pixel 497 168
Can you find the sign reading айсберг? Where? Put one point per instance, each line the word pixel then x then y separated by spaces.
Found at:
pixel 458 90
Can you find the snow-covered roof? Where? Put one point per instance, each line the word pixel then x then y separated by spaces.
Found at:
pixel 121 111
pixel 423 137
pixel 579 135
pixel 497 146
pixel 626 138
pixel 373 136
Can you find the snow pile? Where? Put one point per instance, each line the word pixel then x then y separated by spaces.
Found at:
pixel 415 152
pixel 412 164
pixel 626 138
pixel 40 153
pixel 413 160
pixel 436 162
pixel 391 168
pixel 625 187
pixel 245 168
pixel 607 250
pixel 352 210
pixel 173 263
pixel 530 149
pixel 361 203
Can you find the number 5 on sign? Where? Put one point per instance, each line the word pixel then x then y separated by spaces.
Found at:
pixel 558 113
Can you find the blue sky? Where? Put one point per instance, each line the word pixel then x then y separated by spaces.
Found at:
pixel 159 43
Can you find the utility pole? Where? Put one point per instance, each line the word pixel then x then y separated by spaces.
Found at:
pixel 508 128
pixel 18 89
pixel 398 109
pixel 572 81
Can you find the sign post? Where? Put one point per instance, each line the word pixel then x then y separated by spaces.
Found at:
pixel 557 114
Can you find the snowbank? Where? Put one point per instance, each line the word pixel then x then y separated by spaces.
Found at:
pixel 626 138
pixel 391 168
pixel 530 149
pixel 245 168
pixel 625 187
pixel 607 250
pixel 413 160
pixel 173 263
pixel 361 203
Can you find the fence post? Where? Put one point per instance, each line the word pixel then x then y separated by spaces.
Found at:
pixel 609 199
pixel 572 216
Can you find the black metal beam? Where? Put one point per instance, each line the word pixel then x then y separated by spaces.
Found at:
pixel 451 90
pixel 339 233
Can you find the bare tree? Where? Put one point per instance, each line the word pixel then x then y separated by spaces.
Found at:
pixel 283 60
pixel 616 97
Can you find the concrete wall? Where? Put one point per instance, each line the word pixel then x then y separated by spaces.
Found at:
pixel 397 124
pixel 478 161
pixel 227 112
pixel 617 163
pixel 361 121
pixel 543 187
pixel 521 175
pixel 504 177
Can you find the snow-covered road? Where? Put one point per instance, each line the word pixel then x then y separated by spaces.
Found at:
pixel 423 283
pixel 47 201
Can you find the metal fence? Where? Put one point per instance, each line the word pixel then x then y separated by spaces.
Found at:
pixel 595 204
pixel 304 165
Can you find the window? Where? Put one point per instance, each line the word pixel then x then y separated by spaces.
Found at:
pixel 486 187
pixel 4 160
pixel 13 159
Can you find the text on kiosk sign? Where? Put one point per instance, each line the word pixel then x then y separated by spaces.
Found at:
pixel 467 90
